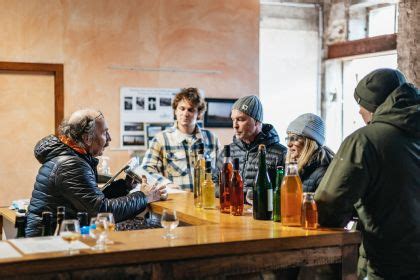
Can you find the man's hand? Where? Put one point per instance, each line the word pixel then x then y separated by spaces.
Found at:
pixel 173 186
pixel 155 194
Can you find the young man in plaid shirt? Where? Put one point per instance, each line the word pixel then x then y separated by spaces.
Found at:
pixel 171 155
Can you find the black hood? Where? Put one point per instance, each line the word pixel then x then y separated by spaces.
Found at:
pixel 267 136
pixel 50 147
pixel 401 109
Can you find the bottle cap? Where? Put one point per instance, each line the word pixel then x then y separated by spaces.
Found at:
pixel 236 163
pixel 261 147
pixel 208 166
pixel 61 209
pixel 201 148
pixel 46 215
pixel 226 151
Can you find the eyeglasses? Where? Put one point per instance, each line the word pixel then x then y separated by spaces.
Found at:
pixel 293 138
pixel 89 121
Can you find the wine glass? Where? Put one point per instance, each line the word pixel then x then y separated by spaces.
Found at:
pixel 169 221
pixel 110 224
pixel 97 230
pixel 70 231
pixel 249 198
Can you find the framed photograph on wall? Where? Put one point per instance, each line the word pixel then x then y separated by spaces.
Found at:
pixel 218 112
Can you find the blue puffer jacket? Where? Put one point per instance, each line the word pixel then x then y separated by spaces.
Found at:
pixel 67 178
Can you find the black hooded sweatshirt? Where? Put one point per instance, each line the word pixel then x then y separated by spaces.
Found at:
pixel 377 171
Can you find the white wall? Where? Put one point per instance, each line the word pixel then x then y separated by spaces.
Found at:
pixel 289 54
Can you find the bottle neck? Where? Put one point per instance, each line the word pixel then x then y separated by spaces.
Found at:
pixel 262 167
pixel 292 169
pixel 226 160
pixel 20 225
pixel 60 217
pixel 208 176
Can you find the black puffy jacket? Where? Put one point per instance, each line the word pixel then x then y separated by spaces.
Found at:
pixel 311 174
pixel 248 154
pixel 67 178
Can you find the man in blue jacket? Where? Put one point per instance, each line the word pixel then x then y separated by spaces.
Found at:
pixel 68 175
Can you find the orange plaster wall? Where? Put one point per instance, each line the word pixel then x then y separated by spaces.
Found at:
pixel 90 37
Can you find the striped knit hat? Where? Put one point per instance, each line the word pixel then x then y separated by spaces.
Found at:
pixel 310 126
pixel 251 106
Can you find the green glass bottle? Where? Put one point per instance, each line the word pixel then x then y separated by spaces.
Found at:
pixel 263 190
pixel 276 195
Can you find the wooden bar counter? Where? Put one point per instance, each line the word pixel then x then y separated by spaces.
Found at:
pixel 215 246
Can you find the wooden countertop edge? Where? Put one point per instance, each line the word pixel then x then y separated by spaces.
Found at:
pixel 58 262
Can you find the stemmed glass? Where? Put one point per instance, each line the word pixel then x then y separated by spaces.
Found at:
pixel 98 230
pixel 70 231
pixel 169 221
pixel 110 224
pixel 249 198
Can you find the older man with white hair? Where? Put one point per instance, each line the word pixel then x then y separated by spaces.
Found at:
pixel 68 175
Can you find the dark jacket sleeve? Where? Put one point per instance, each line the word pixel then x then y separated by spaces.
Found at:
pixel 77 183
pixel 345 181
pixel 116 189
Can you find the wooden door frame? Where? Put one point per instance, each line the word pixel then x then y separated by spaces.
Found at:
pixel 57 70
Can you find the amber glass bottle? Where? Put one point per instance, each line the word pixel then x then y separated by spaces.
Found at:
pixel 237 191
pixel 225 178
pixel 309 211
pixel 291 196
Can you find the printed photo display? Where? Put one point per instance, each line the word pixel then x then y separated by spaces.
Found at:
pixel 144 112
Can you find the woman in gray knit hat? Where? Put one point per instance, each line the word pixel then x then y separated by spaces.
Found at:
pixel 305 141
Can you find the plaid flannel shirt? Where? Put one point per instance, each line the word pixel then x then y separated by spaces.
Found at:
pixel 171 156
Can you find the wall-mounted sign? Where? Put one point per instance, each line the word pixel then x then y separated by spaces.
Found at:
pixel 143 113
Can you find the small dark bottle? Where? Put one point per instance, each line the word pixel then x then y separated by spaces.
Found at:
pixel 61 215
pixel 263 190
pixel 47 218
pixel 83 219
pixel 20 224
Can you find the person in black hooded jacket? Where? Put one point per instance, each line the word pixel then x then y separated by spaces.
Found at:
pixel 305 141
pixel 377 172
pixel 68 175
pixel 250 132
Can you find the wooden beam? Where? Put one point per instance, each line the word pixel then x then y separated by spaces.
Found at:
pixel 57 70
pixel 363 46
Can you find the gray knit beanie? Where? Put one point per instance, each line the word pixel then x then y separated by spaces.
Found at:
pixel 310 126
pixel 251 106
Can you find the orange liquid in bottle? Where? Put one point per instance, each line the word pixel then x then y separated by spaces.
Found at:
pixel 291 201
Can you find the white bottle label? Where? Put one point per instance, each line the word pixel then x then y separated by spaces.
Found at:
pixel 270 199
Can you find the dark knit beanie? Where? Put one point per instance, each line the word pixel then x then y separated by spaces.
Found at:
pixel 375 87
pixel 308 125
pixel 251 106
